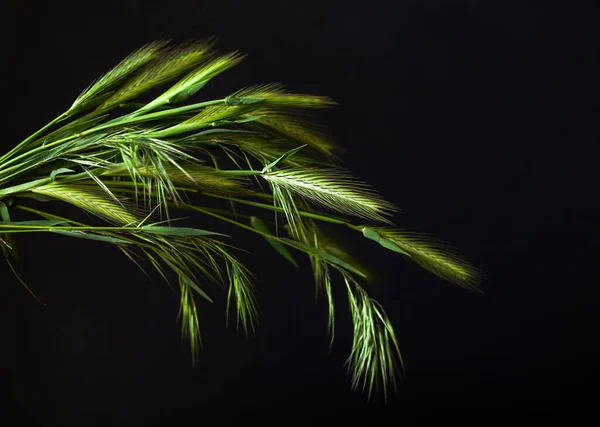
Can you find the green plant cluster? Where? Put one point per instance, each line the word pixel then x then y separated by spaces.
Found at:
pixel 133 165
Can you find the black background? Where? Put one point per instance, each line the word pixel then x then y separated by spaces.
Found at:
pixel 478 119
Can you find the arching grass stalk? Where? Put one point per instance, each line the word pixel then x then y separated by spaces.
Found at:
pixel 133 166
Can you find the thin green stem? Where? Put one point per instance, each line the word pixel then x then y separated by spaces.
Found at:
pixel 129 119
pixel 232 221
pixel 107 232
pixel 303 247
pixel 119 121
pixel 33 136
pixel 318 217
pixel 240 172
pixel 23 187
pixel 12 228
pixel 48 215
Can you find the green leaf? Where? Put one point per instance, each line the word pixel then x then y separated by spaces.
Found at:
pixel 245 120
pixel 4 216
pixel 369 233
pixel 185 94
pixel 392 246
pixel 281 249
pixel 179 231
pixel 282 157
pixel 323 255
pixel 220 130
pixel 89 236
pixel 243 100
pixel 59 171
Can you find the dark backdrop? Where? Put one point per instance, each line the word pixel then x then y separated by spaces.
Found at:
pixel 476 118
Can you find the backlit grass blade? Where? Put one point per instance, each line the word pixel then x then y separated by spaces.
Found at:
pixel 179 231
pixel 321 254
pixel 90 236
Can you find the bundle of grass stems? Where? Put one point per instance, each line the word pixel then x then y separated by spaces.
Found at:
pixel 134 166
